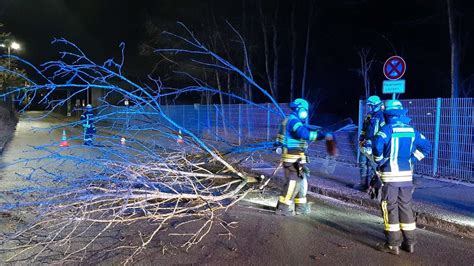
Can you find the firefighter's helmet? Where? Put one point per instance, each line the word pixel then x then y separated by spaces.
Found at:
pixel 301 107
pixel 394 108
pixel 374 103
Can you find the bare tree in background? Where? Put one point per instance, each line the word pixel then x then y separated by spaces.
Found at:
pixel 266 49
pixel 455 76
pixel 306 53
pixel 275 50
pixel 366 61
pixel 293 51
pixel 455 49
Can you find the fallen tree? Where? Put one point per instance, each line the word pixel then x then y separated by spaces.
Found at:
pixel 78 195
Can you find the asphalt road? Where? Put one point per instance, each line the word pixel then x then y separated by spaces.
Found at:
pixel 27 135
pixel 333 234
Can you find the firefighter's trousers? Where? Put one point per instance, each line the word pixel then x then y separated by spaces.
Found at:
pixel 296 188
pixel 89 134
pixel 398 214
pixel 366 170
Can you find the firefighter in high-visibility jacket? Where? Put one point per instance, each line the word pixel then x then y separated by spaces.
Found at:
pixel 87 119
pixel 292 140
pixel 373 122
pixel 397 146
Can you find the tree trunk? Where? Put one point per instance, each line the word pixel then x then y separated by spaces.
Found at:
pixel 454 51
pixel 306 53
pixel 266 50
pixel 454 87
pixel 221 99
pixel 293 52
pixel 365 66
pixel 275 53
pixel 229 81
pixel 244 82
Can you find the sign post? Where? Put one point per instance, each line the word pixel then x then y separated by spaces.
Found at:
pixel 393 69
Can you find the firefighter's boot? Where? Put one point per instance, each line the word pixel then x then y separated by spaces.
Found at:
pixel 410 248
pixel 384 247
pixel 302 208
pixel 283 209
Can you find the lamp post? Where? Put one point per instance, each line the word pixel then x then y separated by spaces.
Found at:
pixel 15 46
pixel 12 45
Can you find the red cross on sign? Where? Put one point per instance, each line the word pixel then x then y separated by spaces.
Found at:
pixel 394 68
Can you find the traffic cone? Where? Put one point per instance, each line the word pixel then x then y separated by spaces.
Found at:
pixel 180 138
pixel 123 141
pixel 64 142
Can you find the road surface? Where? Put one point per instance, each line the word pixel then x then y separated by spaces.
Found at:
pixel 333 234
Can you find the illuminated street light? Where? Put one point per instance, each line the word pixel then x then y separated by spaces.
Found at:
pixel 15 46
pixel 11 45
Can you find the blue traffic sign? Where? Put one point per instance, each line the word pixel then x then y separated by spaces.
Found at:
pixel 394 68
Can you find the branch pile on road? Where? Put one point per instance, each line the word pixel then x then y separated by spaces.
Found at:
pixel 79 211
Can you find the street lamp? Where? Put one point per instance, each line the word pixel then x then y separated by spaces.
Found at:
pixel 15 46
pixel 12 45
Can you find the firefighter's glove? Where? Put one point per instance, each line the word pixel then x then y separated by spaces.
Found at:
pixel 375 185
pixel 331 145
pixel 371 191
pixel 306 171
pixel 366 147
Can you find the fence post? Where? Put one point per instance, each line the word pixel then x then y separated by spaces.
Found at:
pixel 217 122
pixel 436 140
pixel 208 118
pixel 268 121
pixel 359 128
pixel 183 117
pixel 240 124
pixel 198 119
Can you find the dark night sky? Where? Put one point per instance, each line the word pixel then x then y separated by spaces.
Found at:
pixel 418 30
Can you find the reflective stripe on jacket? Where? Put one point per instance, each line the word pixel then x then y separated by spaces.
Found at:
pixel 372 124
pixel 293 137
pixel 87 119
pixel 396 148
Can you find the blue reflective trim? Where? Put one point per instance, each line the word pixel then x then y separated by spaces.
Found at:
pixel 297 125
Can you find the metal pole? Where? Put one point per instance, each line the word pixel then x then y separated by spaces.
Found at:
pixel 183 116
pixel 268 121
pixel 436 141
pixel 359 128
pixel 69 105
pixel 9 68
pixel 217 122
pixel 9 63
pixel 208 117
pixel 199 120
pixel 127 118
pixel 240 123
